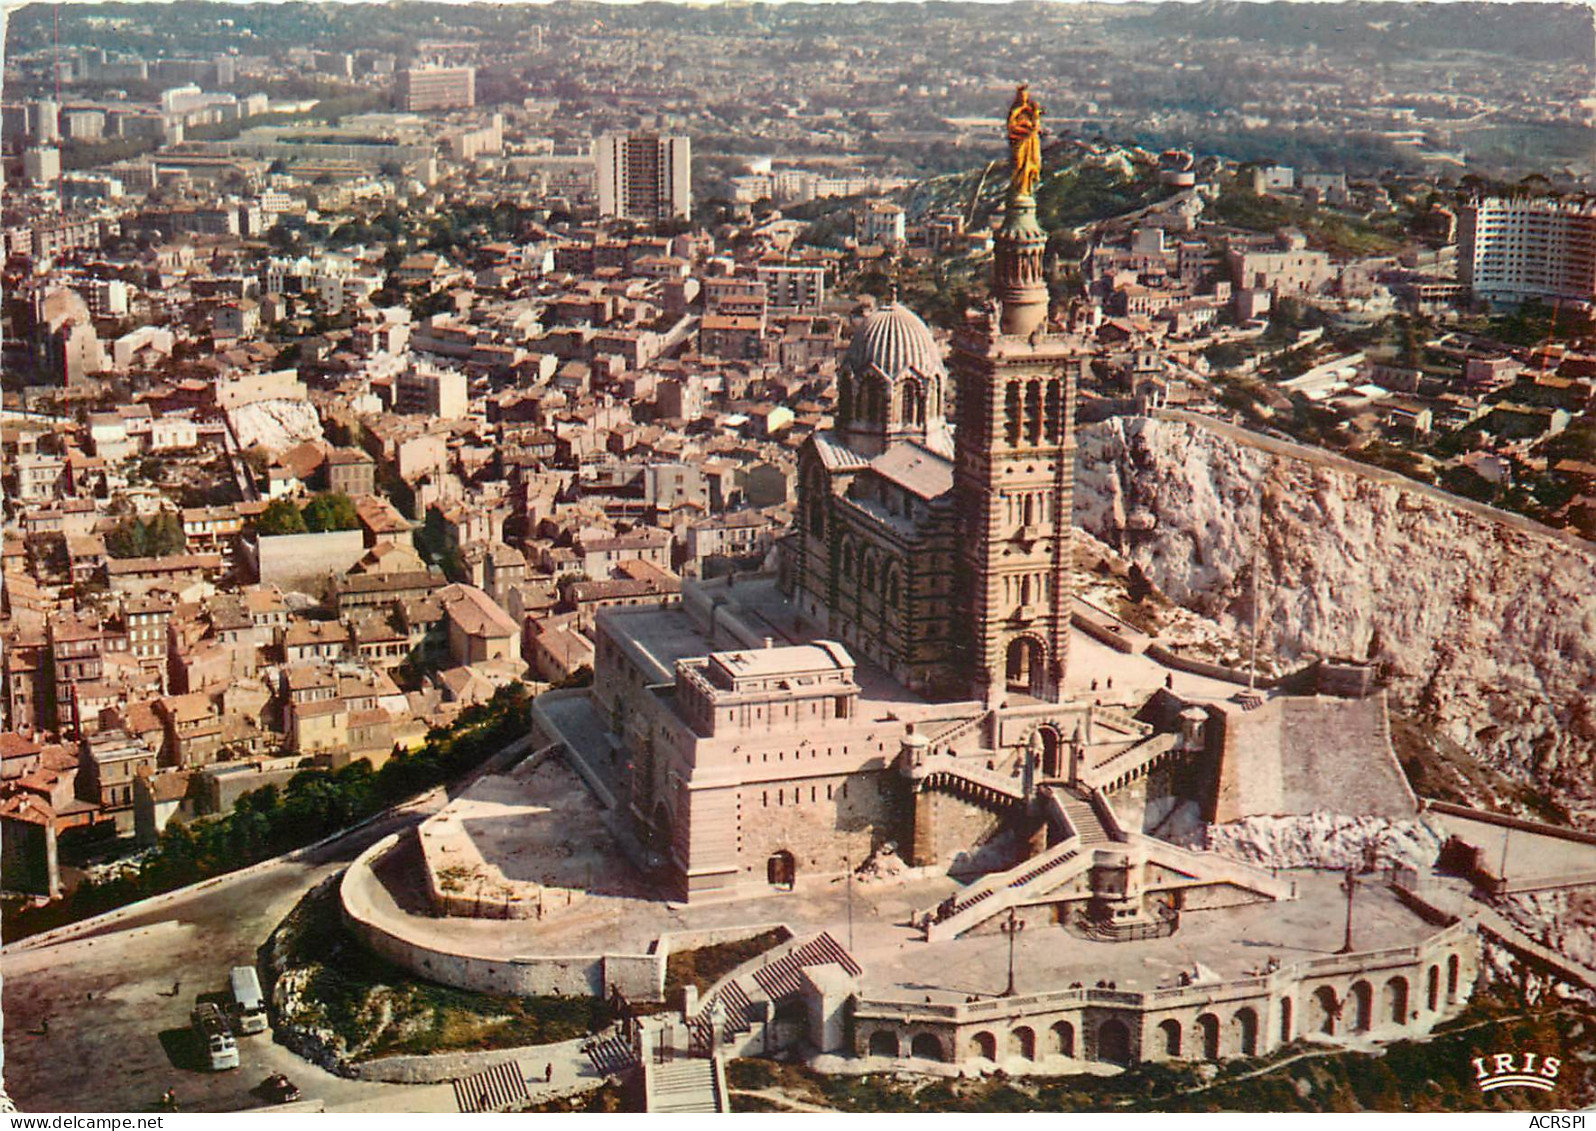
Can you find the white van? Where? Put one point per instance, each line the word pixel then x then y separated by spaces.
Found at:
pixel 249 1006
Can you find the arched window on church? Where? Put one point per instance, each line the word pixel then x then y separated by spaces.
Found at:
pixel 869 571
pixel 893 591
pixel 910 411
pixel 1011 414
pixel 1033 413
pixel 1054 412
pixel 847 559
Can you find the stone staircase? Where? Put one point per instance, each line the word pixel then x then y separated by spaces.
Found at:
pixel 1133 761
pixel 1083 818
pixel 994 895
pixel 781 979
pixel 943 739
pixel 773 981
pixel 1214 868
pixel 612 1054
pixel 690 1086
pixel 965 777
pixel 497 1089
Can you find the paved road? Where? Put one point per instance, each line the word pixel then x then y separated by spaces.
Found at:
pixel 93 1025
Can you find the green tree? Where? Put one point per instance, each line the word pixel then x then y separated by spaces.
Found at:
pixel 332 510
pixel 130 539
pixel 281 516
pixel 166 534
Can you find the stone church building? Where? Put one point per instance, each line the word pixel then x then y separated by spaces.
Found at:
pixel 902 678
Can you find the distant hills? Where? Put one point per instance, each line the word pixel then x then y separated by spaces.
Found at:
pixel 1531 31
pixel 1546 32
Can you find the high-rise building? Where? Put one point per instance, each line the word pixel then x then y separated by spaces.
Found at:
pixel 44 121
pixel 441 393
pixel 644 177
pixel 797 288
pixel 41 165
pixel 1515 250
pixel 437 88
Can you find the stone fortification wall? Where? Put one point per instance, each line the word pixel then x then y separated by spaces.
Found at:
pixel 1307 754
pixel 639 977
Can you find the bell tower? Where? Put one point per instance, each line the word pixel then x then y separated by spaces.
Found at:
pixel 1014 460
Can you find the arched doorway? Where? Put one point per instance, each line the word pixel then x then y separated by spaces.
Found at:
pixel 1285 1020
pixel 1394 1003
pixel 781 870
pixel 1169 1037
pixel 1362 1007
pixel 1245 1026
pixel 1208 1035
pixel 1323 1009
pixel 1025 664
pixel 984 1045
pixel 1432 989
pixel 1113 1042
pixel 1063 1038
pixel 1022 1043
pixel 926 1046
pixel 883 1042
pixel 1052 753
pixel 1453 970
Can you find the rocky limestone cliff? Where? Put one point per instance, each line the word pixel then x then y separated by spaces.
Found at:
pixel 1486 626
pixel 1327 840
pixel 276 424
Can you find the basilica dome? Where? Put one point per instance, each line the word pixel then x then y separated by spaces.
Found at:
pixel 893 340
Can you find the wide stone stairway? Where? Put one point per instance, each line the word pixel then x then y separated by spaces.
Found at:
pixel 684 1086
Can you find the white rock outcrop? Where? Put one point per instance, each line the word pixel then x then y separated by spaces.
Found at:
pixel 277 424
pixel 1327 840
pixel 1485 625
pixel 1562 920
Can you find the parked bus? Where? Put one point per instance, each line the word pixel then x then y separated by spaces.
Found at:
pixel 249 1006
pixel 216 1039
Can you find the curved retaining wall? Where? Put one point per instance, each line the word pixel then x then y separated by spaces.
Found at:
pixel 640 977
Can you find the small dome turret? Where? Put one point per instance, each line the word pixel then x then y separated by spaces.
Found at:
pixel 892 382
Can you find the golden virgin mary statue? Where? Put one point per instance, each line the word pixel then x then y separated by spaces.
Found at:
pixel 1025 141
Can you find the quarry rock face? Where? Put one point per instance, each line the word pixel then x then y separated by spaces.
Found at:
pixel 1328 840
pixel 1484 625
pixel 278 424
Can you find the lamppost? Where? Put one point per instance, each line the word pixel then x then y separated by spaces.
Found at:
pixel 1013 927
pixel 847 863
pixel 1348 885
